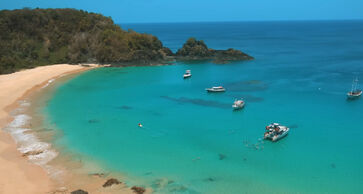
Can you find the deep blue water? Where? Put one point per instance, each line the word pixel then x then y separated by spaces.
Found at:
pixel 192 142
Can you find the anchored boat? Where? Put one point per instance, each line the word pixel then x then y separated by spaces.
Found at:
pixel 355 92
pixel 215 89
pixel 238 104
pixel 275 132
pixel 187 74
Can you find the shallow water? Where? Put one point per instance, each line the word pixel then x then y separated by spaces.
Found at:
pixel 192 141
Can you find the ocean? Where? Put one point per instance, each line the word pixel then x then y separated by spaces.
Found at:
pixel 193 142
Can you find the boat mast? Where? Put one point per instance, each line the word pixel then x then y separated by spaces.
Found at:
pixel 354 85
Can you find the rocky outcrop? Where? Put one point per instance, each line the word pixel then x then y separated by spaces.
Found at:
pixel 99 175
pixel 32 153
pixel 111 182
pixel 79 191
pixel 138 190
pixel 197 50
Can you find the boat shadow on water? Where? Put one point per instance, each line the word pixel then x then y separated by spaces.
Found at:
pixel 352 99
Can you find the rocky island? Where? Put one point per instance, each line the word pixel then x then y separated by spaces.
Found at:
pixel 36 37
pixel 197 50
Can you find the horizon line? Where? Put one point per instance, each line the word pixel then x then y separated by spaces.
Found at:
pixel 203 21
pixel 235 21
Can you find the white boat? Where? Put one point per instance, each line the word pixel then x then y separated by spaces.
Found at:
pixel 238 104
pixel 215 89
pixel 275 132
pixel 187 74
pixel 355 92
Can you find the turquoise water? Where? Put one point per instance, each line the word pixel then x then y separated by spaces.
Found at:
pixel 192 141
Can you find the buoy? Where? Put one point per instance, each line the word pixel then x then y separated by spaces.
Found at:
pixel 140 125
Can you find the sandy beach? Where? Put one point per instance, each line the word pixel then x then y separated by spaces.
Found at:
pixel 17 174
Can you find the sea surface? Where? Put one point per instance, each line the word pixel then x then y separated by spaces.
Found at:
pixel 193 142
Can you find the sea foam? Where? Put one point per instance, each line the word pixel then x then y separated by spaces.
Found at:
pixel 48 83
pixel 28 143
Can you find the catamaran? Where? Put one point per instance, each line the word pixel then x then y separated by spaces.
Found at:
pixel 238 104
pixel 215 89
pixel 355 92
pixel 187 74
pixel 275 132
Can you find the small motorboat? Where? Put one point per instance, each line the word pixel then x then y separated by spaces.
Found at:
pixel 355 92
pixel 187 74
pixel 275 132
pixel 238 104
pixel 215 89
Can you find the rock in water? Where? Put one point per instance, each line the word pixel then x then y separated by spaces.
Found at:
pixel 79 191
pixel 197 50
pixel 111 182
pixel 32 153
pixel 138 190
pixel 98 174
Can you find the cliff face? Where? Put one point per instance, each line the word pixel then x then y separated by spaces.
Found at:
pixel 197 50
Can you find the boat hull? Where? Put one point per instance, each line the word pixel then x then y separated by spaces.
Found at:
pixel 187 76
pixel 214 90
pixel 238 107
pixel 354 95
pixel 275 138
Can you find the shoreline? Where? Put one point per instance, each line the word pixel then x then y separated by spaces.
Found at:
pixel 15 169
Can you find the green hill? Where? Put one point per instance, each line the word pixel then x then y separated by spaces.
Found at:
pixel 34 37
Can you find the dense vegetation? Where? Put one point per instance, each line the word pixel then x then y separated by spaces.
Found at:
pixel 33 37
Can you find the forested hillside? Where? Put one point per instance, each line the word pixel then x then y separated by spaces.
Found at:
pixel 33 37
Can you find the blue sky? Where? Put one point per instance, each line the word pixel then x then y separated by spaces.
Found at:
pixel 145 11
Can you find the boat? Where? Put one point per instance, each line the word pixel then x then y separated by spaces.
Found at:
pixel 215 89
pixel 275 132
pixel 355 92
pixel 187 74
pixel 238 104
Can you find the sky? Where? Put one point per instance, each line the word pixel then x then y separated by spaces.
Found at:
pixel 157 11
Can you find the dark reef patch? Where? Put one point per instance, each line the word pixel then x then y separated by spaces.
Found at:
pixel 248 98
pixel 209 179
pixel 93 121
pixel 124 107
pixel 222 156
pixel 177 188
pixel 148 173
pixel 197 101
pixel 161 183
pixel 155 113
